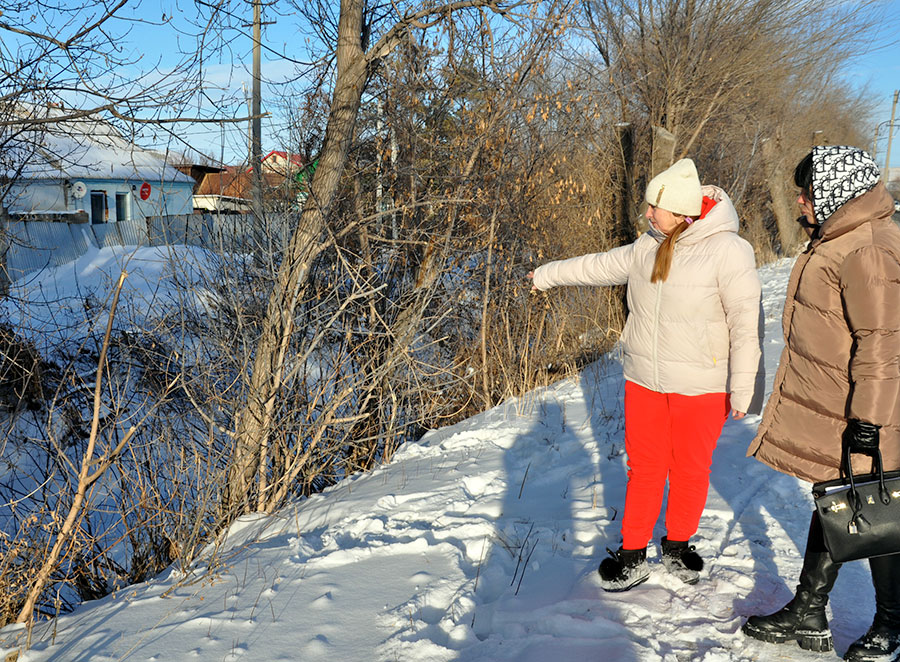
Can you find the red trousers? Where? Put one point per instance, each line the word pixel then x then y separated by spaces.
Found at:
pixel 672 436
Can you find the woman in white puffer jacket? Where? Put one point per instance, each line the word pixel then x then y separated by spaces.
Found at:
pixel 691 354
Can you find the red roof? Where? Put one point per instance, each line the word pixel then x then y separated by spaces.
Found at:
pixel 295 158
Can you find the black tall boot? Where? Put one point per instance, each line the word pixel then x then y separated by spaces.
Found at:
pixel 882 642
pixel 803 619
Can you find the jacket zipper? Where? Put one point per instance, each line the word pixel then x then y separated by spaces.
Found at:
pixel 656 383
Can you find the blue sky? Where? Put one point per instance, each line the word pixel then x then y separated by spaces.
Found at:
pixel 879 69
pixel 228 75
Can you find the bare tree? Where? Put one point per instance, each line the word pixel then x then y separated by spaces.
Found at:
pixel 355 60
pixel 707 70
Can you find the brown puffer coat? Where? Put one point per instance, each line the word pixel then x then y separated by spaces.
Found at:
pixel 842 345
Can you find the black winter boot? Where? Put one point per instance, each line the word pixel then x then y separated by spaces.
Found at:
pixel 882 642
pixel 624 569
pixel 681 560
pixel 803 619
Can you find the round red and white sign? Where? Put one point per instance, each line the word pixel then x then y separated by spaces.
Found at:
pixel 145 190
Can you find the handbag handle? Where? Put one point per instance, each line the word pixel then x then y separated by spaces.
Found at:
pixel 877 466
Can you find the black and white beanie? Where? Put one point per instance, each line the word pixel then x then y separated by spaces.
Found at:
pixel 840 173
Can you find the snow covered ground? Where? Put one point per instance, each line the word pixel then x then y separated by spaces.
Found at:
pixel 480 543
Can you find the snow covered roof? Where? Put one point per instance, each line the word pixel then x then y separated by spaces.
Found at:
pixel 89 148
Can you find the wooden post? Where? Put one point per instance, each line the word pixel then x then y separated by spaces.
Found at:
pixel 663 151
pixel 256 122
pixel 662 155
pixel 627 226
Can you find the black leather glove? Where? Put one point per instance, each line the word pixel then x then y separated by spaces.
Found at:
pixel 861 437
pixel 804 223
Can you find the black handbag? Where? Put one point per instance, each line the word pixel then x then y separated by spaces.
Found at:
pixel 860 514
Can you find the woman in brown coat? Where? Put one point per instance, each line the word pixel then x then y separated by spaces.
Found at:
pixel 838 382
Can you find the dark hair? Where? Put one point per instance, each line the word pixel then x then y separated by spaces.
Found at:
pixel 803 173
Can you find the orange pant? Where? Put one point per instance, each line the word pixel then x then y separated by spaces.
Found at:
pixel 672 436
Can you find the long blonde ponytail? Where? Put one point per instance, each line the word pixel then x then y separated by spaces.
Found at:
pixel 666 250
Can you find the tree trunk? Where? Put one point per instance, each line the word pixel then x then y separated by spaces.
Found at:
pixel 788 230
pixel 254 421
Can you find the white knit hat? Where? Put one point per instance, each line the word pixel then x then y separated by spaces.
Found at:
pixel 676 189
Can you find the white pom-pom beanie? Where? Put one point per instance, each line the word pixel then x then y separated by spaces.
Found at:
pixel 676 189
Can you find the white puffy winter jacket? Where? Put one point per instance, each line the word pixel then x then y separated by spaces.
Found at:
pixel 700 330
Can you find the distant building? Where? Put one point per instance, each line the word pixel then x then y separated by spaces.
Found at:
pixel 230 188
pixel 216 188
pixel 85 170
pixel 282 163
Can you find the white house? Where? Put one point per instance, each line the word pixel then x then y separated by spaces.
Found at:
pixel 85 169
pixel 282 163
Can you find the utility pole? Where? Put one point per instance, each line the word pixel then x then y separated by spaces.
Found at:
pixel 249 125
pixel 256 109
pixel 256 130
pixel 887 158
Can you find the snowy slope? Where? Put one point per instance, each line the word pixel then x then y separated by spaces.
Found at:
pixel 480 542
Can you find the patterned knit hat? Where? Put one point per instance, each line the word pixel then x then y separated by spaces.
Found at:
pixel 840 173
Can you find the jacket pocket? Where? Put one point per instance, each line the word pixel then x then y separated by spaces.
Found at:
pixel 717 342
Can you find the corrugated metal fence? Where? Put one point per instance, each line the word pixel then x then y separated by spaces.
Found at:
pixel 35 245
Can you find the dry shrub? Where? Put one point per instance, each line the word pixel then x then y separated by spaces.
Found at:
pixel 21 382
pixel 558 200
